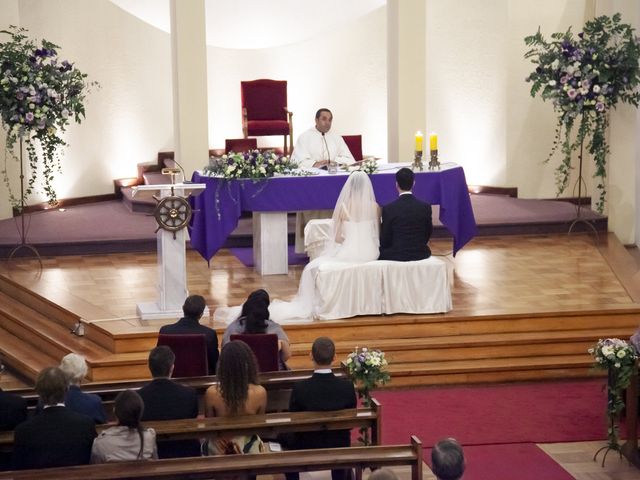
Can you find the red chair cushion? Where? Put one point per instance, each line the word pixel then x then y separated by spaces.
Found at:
pixel 267 127
pixel 354 142
pixel 265 348
pixel 190 351
pixel 240 145
pixel 265 99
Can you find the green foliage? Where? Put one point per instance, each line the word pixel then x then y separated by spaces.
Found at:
pixel 39 96
pixel 585 75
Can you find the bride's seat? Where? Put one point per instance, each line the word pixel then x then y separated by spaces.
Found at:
pixel 382 286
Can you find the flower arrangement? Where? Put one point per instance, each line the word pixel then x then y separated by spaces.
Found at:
pixel 368 370
pixel 252 164
pixel 40 94
pixel 585 76
pixel 369 165
pixel 620 360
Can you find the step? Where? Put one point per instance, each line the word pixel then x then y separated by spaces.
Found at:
pixel 22 357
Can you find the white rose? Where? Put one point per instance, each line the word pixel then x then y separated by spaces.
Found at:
pixel 555 64
pixel 617 365
pixel 621 354
pixel 596 89
pixel 552 83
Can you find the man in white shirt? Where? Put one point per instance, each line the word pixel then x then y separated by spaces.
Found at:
pixel 318 146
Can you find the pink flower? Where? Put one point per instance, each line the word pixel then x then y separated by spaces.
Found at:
pixel 572 93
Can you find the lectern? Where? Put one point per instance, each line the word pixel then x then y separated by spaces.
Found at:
pixel 172 213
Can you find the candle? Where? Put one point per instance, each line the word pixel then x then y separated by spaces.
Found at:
pixel 419 138
pixel 433 141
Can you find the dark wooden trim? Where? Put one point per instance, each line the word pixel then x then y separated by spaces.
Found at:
pixel 584 201
pixel 507 191
pixel 65 202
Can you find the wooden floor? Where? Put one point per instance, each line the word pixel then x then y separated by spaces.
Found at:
pixel 492 276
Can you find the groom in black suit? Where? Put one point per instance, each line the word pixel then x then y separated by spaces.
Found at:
pixel 406 224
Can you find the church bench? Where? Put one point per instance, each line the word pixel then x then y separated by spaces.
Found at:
pixel 278 386
pixel 268 425
pixel 195 468
pixel 382 287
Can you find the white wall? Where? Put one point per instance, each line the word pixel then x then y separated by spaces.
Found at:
pixel 467 85
pixel 343 68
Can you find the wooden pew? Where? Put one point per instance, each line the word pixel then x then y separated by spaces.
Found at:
pixel 630 448
pixel 267 426
pixel 278 386
pixel 357 458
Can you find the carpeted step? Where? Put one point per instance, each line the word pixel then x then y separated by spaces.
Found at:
pixel 137 204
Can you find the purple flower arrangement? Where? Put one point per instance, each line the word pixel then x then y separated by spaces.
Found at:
pixel 253 164
pixel 39 96
pixel 584 76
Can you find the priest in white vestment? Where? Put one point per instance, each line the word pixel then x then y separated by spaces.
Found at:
pixel 317 147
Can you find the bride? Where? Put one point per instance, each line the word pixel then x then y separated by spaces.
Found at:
pixel 354 238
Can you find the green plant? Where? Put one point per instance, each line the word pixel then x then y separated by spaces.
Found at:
pixel 39 96
pixel 585 76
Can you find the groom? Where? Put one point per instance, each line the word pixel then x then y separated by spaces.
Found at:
pixel 406 224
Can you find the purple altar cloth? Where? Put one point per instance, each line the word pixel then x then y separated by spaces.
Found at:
pixel 218 208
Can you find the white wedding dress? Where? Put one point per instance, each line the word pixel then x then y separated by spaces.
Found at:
pixel 355 231
pixel 355 239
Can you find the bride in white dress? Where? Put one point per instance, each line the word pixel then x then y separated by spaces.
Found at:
pixel 354 239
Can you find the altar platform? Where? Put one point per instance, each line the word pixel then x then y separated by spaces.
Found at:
pixel 524 308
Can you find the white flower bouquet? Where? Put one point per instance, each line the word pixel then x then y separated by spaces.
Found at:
pixel 252 164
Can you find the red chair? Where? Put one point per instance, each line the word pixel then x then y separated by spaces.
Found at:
pixel 264 110
pixel 239 145
pixel 190 351
pixel 264 347
pixel 354 142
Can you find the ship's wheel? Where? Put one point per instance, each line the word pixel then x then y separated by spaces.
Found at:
pixel 172 213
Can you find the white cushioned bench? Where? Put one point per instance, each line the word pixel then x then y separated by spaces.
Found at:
pixel 382 286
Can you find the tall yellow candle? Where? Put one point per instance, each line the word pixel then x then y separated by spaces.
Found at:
pixel 433 141
pixel 419 138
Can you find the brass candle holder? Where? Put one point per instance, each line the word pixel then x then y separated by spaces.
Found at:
pixel 434 164
pixel 417 161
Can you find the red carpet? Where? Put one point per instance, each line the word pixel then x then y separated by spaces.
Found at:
pixel 522 461
pixel 496 414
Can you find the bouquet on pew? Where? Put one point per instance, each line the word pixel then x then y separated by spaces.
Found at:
pixel 620 360
pixel 252 164
pixel 368 370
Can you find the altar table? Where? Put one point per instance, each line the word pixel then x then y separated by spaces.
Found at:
pixel 217 210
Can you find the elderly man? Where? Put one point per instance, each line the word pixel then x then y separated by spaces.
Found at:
pixel 317 147
pixel 447 460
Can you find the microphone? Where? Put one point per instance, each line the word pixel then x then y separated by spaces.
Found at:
pixel 324 139
pixel 184 178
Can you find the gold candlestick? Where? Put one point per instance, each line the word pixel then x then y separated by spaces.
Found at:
pixel 417 161
pixel 434 164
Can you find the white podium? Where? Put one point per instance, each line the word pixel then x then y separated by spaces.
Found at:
pixel 172 266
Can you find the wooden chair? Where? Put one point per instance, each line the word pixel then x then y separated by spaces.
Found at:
pixel 240 145
pixel 190 351
pixel 265 348
pixel 264 110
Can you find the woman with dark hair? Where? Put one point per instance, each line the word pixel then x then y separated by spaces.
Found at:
pixel 128 440
pixel 254 318
pixel 237 393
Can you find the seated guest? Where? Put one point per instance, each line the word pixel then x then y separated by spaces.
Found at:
pixel 193 309
pixel 13 411
pixel 383 474
pixel 128 440
pixel 165 399
pixel 74 368
pixel 447 460
pixel 237 392
pixel 322 392
pixel 58 437
pixel 254 318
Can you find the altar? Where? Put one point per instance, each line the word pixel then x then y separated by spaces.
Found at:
pixel 218 209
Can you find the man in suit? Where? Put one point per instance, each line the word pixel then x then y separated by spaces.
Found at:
pixel 322 392
pixel 165 399
pixel 193 309
pixel 406 224
pixel 13 411
pixel 447 460
pixel 57 437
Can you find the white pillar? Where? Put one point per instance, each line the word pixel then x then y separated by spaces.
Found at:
pixel 189 65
